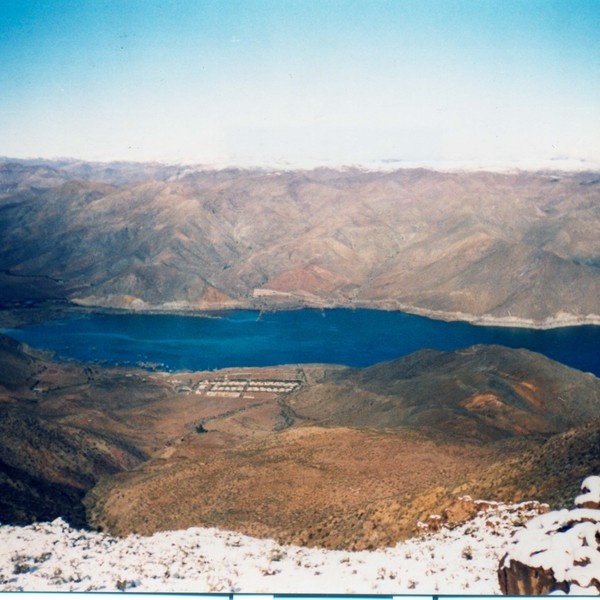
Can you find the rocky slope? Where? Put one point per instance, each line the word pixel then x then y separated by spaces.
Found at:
pixel 509 248
pixel 64 426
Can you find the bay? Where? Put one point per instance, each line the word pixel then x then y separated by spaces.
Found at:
pixel 247 338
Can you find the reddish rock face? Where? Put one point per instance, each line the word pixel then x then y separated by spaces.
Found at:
pixel 590 504
pixel 462 509
pixel 465 508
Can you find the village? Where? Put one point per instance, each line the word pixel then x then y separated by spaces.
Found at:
pixel 240 385
pixel 249 388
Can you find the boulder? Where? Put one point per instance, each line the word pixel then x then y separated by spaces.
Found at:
pixel 556 551
pixel 432 524
pixel 519 579
pixel 591 493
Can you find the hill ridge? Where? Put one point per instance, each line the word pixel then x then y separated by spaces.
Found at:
pixel 514 249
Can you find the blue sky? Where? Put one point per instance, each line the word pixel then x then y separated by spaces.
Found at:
pixel 302 82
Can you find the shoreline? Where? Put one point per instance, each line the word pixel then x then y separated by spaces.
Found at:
pixel 563 320
pixel 18 316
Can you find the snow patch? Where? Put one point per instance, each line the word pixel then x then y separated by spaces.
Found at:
pixel 591 495
pixel 56 557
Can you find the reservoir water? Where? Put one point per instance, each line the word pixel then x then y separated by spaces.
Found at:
pixel 247 338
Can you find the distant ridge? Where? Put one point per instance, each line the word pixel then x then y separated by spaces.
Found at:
pixel 516 249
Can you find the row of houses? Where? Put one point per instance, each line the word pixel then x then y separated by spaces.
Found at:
pixel 231 388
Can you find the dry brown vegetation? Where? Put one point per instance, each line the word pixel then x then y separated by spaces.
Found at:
pixel 296 486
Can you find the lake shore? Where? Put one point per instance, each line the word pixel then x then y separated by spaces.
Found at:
pixel 20 315
pixel 563 319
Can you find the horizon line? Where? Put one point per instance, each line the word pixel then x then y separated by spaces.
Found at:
pixel 376 165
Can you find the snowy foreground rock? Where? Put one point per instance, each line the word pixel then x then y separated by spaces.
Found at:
pixel 557 551
pixel 54 557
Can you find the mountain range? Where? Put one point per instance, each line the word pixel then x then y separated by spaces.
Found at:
pixel 506 248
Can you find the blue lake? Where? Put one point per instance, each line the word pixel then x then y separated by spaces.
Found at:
pixel 246 338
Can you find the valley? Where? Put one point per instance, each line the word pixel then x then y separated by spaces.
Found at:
pixel 322 455
pixel 345 452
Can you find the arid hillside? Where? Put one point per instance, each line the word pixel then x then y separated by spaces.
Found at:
pixel 63 426
pixel 510 248
pixel 364 453
pixel 477 394
pixel 314 454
